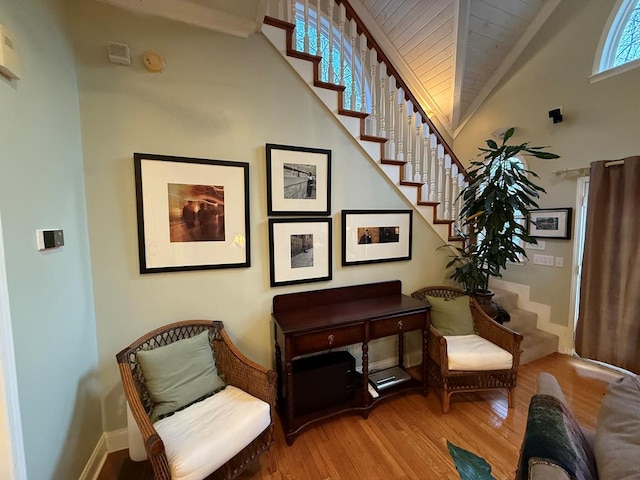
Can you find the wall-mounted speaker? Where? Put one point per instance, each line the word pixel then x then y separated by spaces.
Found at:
pixel 556 115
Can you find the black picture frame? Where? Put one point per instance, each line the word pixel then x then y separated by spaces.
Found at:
pixel 300 250
pixel 376 236
pixel 193 213
pixel 298 180
pixel 552 223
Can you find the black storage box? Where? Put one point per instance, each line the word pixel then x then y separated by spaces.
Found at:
pixel 322 381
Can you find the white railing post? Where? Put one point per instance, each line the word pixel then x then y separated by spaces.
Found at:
pixel 332 78
pixel 447 187
pixel 400 127
pixel 454 193
pixel 440 151
pixel 363 76
pixel 319 34
pixel 382 100
pixel 409 152
pixel 433 175
pixel 417 175
pixel 354 36
pixel 426 134
pixel 372 119
pixel 393 105
pixel 342 15
pixel 307 26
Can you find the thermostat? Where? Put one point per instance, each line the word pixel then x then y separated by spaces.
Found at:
pixel 47 239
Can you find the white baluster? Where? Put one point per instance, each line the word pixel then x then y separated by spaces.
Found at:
pixel 307 26
pixel 417 154
pixel 291 12
pixel 332 77
pixel 409 137
pixel 425 161
pixel 363 77
pixel 318 33
pixel 400 132
pixel 454 193
pixel 382 100
pixel 447 187
pixel 393 106
pixel 440 180
pixel 433 171
pixel 354 55
pixel 343 18
pixel 372 119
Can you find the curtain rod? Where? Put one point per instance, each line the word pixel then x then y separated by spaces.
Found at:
pixel 560 171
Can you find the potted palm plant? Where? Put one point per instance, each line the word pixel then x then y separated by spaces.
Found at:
pixel 499 195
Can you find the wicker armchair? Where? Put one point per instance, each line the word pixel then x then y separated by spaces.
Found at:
pixel 238 371
pixel 447 382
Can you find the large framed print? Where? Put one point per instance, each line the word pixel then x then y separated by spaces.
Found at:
pixel 193 213
pixel 550 223
pixel 374 236
pixel 298 180
pixel 300 250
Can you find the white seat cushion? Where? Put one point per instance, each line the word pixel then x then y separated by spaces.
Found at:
pixel 472 352
pixel 201 438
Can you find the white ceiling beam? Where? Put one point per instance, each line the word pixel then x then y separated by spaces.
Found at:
pixel 460 57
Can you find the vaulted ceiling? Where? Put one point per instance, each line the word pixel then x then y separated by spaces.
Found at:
pixel 451 53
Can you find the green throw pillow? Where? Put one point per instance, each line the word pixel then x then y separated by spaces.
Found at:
pixel 451 316
pixel 180 373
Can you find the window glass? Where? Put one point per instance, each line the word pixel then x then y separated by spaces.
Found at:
pixel 619 47
pixel 628 48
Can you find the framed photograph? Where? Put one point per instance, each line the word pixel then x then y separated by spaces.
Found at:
pixel 300 250
pixel 550 223
pixel 373 236
pixel 298 180
pixel 193 213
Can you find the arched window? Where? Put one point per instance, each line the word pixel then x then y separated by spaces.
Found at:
pixel 619 48
pixel 349 70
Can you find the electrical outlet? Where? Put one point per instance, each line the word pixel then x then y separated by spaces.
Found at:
pixel 559 261
pixel 546 260
pixel 541 245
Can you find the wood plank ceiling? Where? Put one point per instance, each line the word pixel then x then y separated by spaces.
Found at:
pixel 451 53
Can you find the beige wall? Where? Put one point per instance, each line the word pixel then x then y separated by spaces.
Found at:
pixel 222 98
pixel 601 122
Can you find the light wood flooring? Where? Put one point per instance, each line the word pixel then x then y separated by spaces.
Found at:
pixel 406 437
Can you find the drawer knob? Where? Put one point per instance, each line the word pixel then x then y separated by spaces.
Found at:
pixel 331 338
pixel 399 324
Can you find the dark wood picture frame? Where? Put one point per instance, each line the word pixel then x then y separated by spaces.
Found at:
pixel 298 180
pixel 376 236
pixel 554 223
pixel 193 213
pixel 300 250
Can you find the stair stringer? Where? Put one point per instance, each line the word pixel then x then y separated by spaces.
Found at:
pixel 353 123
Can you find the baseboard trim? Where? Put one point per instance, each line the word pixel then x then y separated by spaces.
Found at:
pixel 96 461
pixel 117 440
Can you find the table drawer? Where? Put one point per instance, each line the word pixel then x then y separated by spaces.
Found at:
pixel 326 339
pixel 392 326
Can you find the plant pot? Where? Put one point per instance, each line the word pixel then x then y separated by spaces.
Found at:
pixel 485 299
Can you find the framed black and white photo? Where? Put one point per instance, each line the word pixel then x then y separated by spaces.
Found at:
pixel 550 223
pixel 193 213
pixel 298 180
pixel 373 236
pixel 300 250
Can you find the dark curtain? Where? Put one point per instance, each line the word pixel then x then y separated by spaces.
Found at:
pixel 608 326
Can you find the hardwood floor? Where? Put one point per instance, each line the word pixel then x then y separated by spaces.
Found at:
pixel 405 437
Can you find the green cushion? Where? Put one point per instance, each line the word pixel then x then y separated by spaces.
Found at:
pixel 180 373
pixel 451 316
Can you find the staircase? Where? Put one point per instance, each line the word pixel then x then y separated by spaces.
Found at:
pixel 536 343
pixel 361 88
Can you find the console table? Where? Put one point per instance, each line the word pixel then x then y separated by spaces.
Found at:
pixel 320 320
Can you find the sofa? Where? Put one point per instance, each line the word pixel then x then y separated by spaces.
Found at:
pixel 556 447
